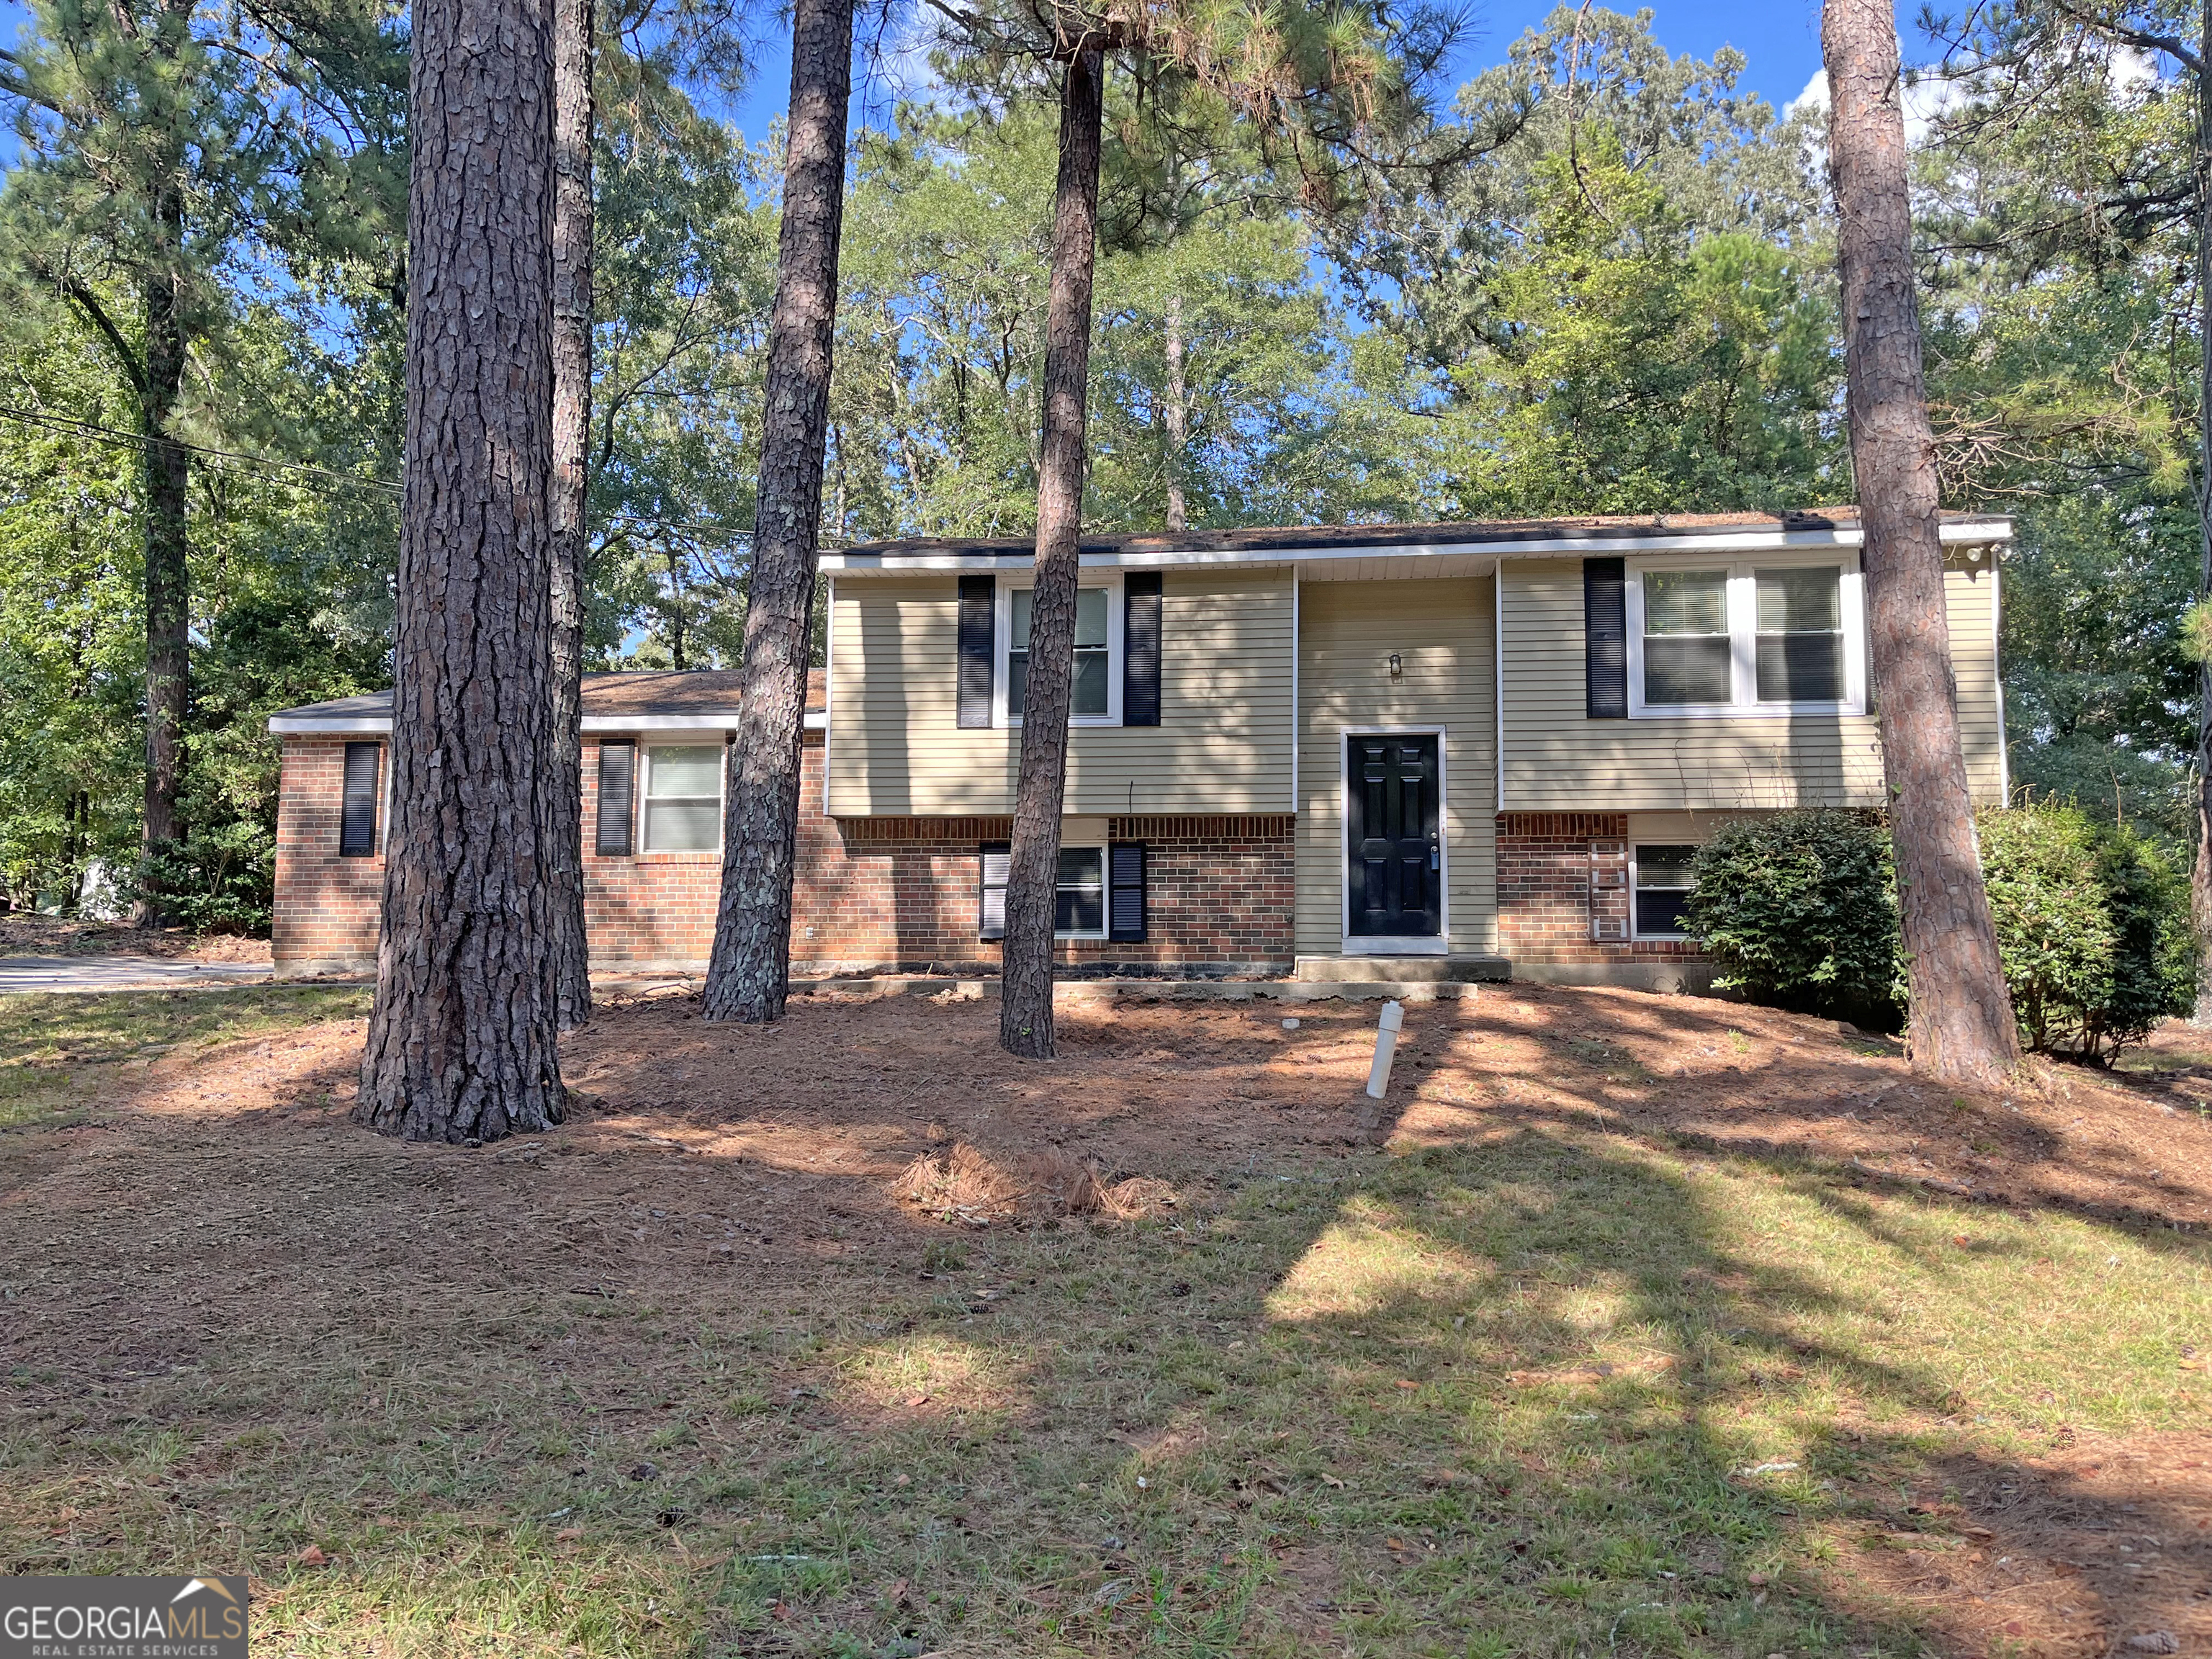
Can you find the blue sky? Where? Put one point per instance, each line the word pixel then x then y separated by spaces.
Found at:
pixel 1781 39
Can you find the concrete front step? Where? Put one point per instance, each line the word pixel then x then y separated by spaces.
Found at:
pixel 1404 970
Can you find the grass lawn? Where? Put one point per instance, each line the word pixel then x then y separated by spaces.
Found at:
pixel 1638 1326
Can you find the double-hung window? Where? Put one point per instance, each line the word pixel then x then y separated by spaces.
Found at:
pixel 1764 636
pixel 683 798
pixel 1096 692
pixel 1079 897
pixel 1660 885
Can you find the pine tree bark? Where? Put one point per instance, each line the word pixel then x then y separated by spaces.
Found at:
pixel 1025 1010
pixel 749 975
pixel 462 1040
pixel 2201 167
pixel 1960 1021
pixel 1178 418
pixel 573 23
pixel 167 576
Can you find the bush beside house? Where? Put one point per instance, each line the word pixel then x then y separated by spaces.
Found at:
pixel 1800 910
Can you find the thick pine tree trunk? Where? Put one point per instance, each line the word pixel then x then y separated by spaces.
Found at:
pixel 1961 1018
pixel 750 973
pixel 462 1039
pixel 168 583
pixel 1025 1012
pixel 572 426
pixel 1178 418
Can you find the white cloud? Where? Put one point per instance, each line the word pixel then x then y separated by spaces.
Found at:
pixel 1924 100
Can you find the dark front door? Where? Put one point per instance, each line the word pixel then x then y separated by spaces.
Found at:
pixel 1395 873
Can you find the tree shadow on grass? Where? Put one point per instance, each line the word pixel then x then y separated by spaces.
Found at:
pixel 1543 1393
pixel 1485 1395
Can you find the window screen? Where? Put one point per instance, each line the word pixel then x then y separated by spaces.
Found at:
pixel 1663 886
pixel 1800 635
pixel 683 798
pixel 1079 898
pixel 1091 665
pixel 1685 637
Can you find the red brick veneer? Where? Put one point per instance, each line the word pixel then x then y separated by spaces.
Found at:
pixel 902 893
pixel 872 893
pixel 1545 895
pixel 326 906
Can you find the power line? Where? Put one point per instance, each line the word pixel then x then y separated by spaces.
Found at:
pixel 139 440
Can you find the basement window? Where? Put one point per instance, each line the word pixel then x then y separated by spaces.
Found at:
pixel 1660 885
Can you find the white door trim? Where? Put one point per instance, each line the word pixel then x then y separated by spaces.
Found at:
pixel 1425 944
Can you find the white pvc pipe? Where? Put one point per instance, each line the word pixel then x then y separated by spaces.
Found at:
pixel 1386 1049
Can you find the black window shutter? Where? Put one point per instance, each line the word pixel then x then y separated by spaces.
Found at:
pixel 1605 639
pixel 1140 648
pixel 357 820
pixel 994 857
pixel 1125 899
pixel 978 602
pixel 617 796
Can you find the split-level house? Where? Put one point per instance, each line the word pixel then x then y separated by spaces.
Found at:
pixel 1466 749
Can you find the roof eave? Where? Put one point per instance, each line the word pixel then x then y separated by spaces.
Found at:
pixel 292 723
pixel 1734 538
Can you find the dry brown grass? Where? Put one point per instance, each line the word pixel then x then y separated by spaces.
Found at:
pixel 1502 1388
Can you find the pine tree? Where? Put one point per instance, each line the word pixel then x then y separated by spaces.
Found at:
pixel 463 1037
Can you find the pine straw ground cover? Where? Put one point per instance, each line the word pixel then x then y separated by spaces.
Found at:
pixel 22 935
pixel 1632 1326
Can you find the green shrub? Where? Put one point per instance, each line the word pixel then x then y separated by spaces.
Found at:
pixel 1799 908
pixel 217 880
pixel 2092 924
pixel 2092 920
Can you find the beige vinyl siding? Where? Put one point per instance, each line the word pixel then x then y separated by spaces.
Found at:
pixel 1442 633
pixel 1558 760
pixel 1223 744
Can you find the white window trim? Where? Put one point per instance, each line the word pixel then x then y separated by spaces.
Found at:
pixel 1002 639
pixel 1105 889
pixel 1437 944
pixel 688 740
pixel 1743 631
pixel 1636 884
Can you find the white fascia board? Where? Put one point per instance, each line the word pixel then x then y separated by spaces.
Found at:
pixel 356 725
pixel 379 725
pixel 1747 540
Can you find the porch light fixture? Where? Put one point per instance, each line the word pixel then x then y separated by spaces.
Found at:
pixel 1397 666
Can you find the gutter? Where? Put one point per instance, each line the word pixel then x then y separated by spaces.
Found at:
pixel 1972 533
pixel 296 724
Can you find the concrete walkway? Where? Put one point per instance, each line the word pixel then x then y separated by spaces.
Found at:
pixel 122 973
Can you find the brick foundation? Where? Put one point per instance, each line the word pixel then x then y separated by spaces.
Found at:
pixel 872 895
pixel 1556 872
pixel 900 894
